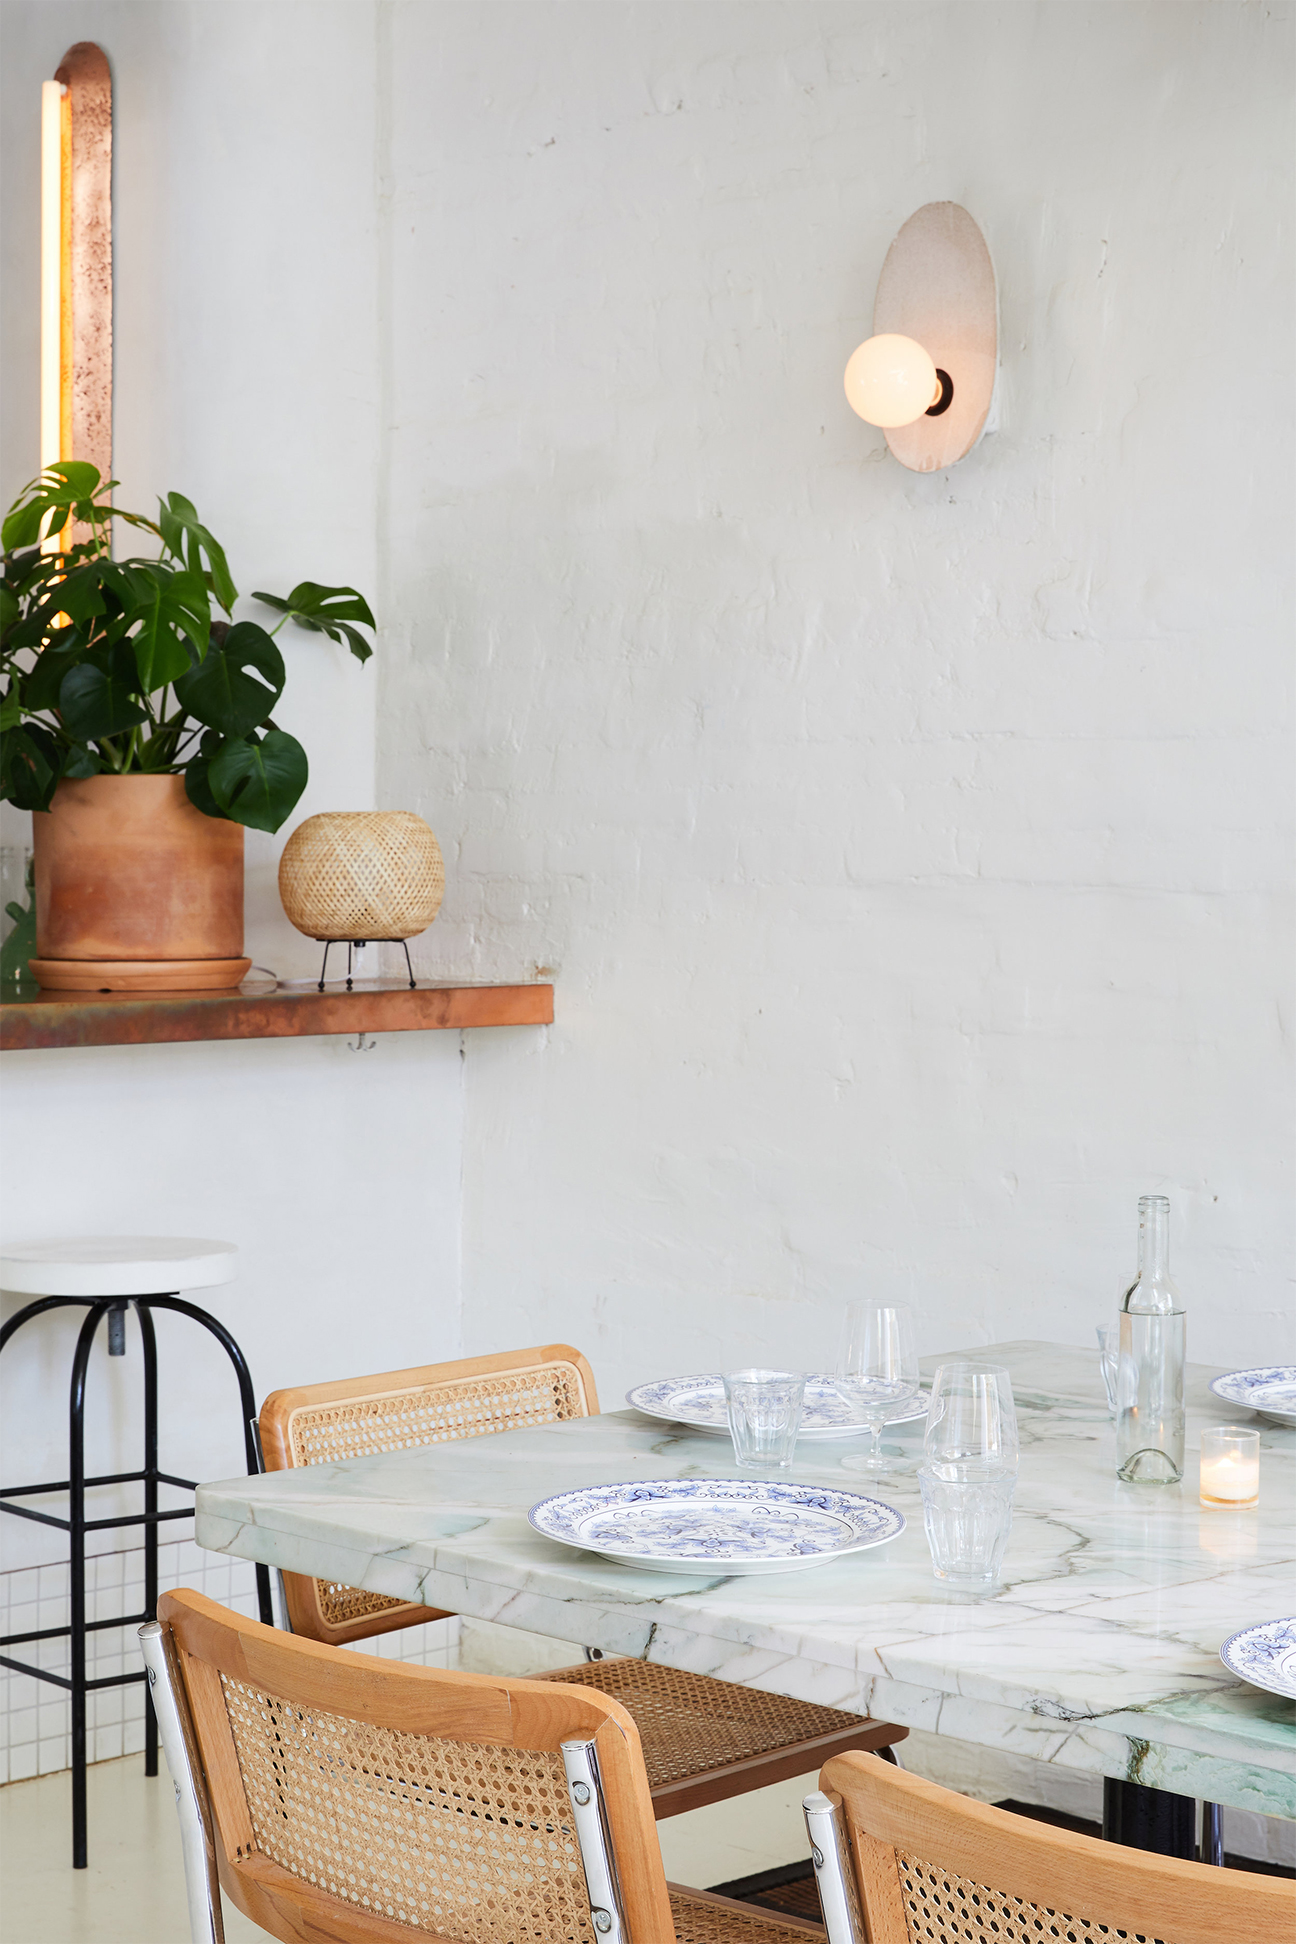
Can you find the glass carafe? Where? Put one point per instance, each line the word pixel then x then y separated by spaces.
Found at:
pixel 1150 1373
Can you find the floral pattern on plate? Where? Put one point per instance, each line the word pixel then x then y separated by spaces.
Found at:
pixel 1271 1390
pixel 729 1525
pixel 699 1402
pixel 1265 1656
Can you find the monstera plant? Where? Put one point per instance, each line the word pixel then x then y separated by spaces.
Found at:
pixel 135 666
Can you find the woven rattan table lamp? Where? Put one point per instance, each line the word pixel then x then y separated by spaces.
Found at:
pixel 361 876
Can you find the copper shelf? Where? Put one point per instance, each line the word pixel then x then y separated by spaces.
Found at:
pixel 30 1018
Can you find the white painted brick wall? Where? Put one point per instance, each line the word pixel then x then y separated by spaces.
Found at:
pixel 913 853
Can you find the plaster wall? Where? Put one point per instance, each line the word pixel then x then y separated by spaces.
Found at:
pixel 247 370
pixel 911 853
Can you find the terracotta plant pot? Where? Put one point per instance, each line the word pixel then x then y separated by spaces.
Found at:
pixel 136 891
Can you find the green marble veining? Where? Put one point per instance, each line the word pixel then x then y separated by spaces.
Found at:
pixel 1098 1651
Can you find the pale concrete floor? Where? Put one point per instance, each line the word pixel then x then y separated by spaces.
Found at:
pixel 133 1891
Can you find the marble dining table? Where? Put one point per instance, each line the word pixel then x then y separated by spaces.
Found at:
pixel 1097 1650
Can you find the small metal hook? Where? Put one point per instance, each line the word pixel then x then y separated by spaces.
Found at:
pixel 362 1045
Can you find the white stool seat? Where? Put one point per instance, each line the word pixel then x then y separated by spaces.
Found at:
pixel 116 1265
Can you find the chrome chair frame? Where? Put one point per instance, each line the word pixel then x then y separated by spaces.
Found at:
pixel 834 1875
pixel 180 1746
pixel 197 1836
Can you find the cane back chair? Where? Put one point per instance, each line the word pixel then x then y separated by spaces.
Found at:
pixel 703 1740
pixel 899 1860
pixel 343 1799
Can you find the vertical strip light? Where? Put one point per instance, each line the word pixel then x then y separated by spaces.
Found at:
pixel 53 94
pixel 66 359
pixel 56 286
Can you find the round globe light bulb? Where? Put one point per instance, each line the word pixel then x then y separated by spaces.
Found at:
pixel 890 380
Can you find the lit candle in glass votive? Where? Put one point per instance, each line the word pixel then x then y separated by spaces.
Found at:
pixel 1230 1466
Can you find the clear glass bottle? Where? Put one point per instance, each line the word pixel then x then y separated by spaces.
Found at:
pixel 1150 1374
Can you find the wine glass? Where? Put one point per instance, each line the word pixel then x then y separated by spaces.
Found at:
pixel 876 1371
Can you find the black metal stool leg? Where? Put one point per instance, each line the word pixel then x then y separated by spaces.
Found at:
pixel 148 1343
pixel 76 1578
pixel 77 1526
pixel 247 1397
pixel 38 1308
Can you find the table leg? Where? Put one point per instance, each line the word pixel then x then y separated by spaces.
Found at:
pixel 1149 1819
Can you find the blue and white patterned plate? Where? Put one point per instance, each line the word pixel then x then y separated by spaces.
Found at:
pixel 699 1402
pixel 1265 1656
pixel 716 1526
pixel 1270 1390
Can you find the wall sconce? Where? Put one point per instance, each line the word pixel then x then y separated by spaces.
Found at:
pixel 926 377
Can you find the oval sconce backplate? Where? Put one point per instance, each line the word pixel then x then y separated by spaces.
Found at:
pixel 938 286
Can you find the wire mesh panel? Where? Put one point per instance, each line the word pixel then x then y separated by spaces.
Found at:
pixel 691 1722
pixel 468 1840
pixel 946 1909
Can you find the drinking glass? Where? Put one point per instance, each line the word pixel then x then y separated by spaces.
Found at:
pixel 1108 1359
pixel 967 1520
pixel 764 1409
pixel 971 1421
pixel 876 1371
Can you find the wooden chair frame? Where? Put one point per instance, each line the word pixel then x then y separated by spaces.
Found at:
pixel 865 1812
pixel 194 1641
pixel 279 1411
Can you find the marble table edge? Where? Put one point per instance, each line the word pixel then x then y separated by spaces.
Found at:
pixel 1128 1743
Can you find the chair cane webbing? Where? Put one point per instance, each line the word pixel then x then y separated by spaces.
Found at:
pixel 698 1922
pixel 464 1407
pixel 437 1413
pixel 340 1605
pixel 691 1722
pixel 946 1909
pixel 462 1839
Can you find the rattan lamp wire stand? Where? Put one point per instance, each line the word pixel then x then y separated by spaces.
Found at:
pixel 358 944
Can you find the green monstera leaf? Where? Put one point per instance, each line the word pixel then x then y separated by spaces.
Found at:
pixel 29 766
pixel 170 613
pixel 199 790
pixel 116 663
pixel 185 535
pixel 327 610
pixel 259 783
pixel 63 651
pixel 238 682
pixel 67 488
pixel 96 702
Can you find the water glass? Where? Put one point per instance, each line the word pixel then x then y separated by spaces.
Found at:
pixel 1108 1359
pixel 876 1371
pixel 972 1420
pixel 764 1409
pixel 967 1520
